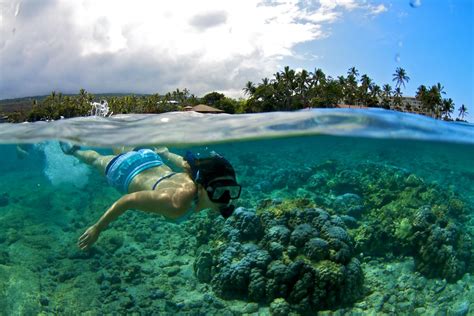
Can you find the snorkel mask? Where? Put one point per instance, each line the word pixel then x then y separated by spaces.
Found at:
pixel 217 176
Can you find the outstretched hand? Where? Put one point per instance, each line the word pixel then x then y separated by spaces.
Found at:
pixel 89 237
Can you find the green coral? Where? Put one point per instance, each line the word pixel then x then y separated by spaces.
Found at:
pixel 392 197
pixel 286 205
pixel 403 229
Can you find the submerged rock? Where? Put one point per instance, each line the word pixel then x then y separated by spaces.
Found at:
pixel 243 225
pixel 441 248
pixel 293 266
pixel 349 204
pixel 203 265
pixel 460 309
pixel 301 234
pixel 280 234
pixel 279 307
pixel 316 249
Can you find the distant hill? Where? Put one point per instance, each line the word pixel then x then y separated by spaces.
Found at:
pixel 26 103
pixel 11 105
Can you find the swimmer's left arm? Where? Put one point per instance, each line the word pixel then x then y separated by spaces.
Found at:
pixel 175 159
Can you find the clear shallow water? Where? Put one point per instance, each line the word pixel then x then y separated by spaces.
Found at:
pixel 377 171
pixel 192 128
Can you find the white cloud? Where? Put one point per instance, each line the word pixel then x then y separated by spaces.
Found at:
pixel 378 9
pixel 154 46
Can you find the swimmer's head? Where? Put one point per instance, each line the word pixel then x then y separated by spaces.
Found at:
pixel 217 176
pixel 206 170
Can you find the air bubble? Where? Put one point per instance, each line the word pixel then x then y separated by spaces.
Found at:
pixel 415 3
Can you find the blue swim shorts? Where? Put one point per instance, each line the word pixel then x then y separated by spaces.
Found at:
pixel 122 169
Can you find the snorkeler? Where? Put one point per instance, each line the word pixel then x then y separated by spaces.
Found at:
pixel 151 186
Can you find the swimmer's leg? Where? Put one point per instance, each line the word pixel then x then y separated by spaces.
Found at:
pixel 68 148
pixel 122 149
pixel 93 158
pixel 90 157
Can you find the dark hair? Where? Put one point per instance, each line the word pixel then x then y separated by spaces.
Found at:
pixel 204 170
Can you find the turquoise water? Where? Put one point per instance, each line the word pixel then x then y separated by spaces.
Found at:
pixel 341 211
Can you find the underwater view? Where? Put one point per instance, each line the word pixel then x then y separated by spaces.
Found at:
pixel 340 213
pixel 265 157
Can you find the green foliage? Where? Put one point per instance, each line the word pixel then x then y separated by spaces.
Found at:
pixel 288 90
pixel 212 98
pixel 221 102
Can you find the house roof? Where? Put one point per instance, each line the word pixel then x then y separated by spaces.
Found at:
pixel 206 109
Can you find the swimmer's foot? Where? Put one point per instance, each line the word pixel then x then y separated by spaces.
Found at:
pixel 68 148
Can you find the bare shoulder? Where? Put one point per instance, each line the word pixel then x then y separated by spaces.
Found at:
pixel 180 187
pixel 184 179
pixel 188 186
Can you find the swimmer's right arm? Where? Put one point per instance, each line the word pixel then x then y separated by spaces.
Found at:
pixel 155 202
pixel 91 235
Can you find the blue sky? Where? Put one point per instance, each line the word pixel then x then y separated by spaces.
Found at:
pixel 432 42
pixel 211 45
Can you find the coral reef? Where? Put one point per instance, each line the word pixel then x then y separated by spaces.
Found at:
pixel 390 210
pixel 441 249
pixel 294 256
pixel 283 260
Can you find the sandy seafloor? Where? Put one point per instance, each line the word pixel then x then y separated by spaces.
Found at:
pixel 145 265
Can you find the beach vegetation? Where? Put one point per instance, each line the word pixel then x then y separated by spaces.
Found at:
pixel 287 90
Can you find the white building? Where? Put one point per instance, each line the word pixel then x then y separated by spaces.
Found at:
pixel 412 105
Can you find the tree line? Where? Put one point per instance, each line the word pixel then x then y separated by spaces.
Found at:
pixel 288 90
pixel 292 90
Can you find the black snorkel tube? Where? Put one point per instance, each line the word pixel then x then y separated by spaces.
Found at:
pixel 226 211
pixel 190 158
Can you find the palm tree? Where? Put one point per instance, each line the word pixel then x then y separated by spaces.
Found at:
pixel 350 88
pixel 422 95
pixel 440 88
pixel 365 84
pixel 342 80
pixel 462 111
pixel 386 96
pixel 319 77
pixel 302 81
pixel 353 72
pixel 342 87
pixel 82 94
pixel 288 77
pixel 397 98
pixel 447 108
pixel 375 92
pixel 434 99
pixel 317 88
pixel 249 88
pixel 400 76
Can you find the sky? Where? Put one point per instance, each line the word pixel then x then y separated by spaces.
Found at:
pixel 143 46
